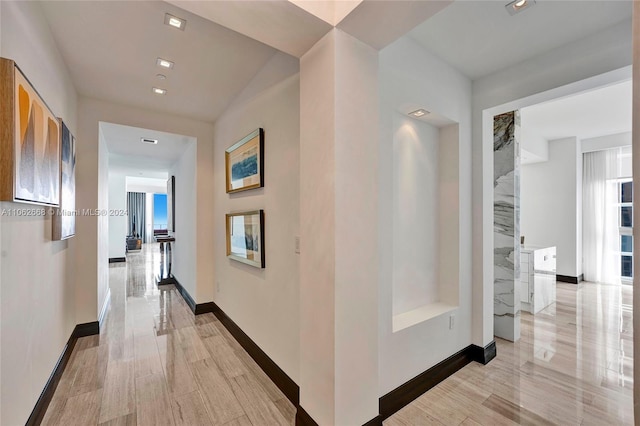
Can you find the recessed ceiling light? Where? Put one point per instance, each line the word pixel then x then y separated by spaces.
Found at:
pixel 159 91
pixel 147 140
pixel 519 5
pixel 164 63
pixel 174 21
pixel 161 76
pixel 419 113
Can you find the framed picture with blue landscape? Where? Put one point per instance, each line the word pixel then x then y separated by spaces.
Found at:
pixel 245 163
pixel 245 237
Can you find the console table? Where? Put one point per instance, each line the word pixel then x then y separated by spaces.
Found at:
pixel 165 276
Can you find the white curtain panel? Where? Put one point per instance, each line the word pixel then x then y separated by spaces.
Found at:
pixel 600 235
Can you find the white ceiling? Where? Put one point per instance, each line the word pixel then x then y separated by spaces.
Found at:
pixel 111 48
pixel 600 112
pixel 280 24
pixel 145 184
pixel 128 155
pixel 480 37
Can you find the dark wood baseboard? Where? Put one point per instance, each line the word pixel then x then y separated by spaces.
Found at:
pixel 569 279
pixel 290 388
pixel 86 329
pixel 205 308
pixel 404 394
pixel 376 421
pixel 484 355
pixel 80 330
pixel 407 392
pixel 303 418
pixel 117 259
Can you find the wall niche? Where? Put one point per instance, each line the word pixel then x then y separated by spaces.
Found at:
pixel 426 218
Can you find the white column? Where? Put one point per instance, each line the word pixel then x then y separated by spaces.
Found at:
pixel 636 211
pixel 338 217
pixel 506 225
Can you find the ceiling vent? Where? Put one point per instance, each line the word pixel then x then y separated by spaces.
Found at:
pixel 151 141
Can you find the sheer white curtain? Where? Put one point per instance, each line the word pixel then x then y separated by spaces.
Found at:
pixel 600 239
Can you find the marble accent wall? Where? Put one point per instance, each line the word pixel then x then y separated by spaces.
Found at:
pixel 506 225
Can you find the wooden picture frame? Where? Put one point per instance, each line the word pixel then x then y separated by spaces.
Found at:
pixel 244 163
pixel 245 237
pixel 63 223
pixel 29 142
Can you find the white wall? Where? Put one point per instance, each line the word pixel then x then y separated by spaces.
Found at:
pixel 636 213
pixel 519 86
pixel 338 220
pixel 37 303
pixel 317 230
pixel 263 302
pixel 409 75
pixel 117 224
pixel 183 253
pixel 103 225
pixel 606 142
pixel 151 185
pixel 533 146
pixel 551 204
pixel 91 113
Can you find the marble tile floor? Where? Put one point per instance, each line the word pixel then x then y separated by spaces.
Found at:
pixel 572 366
pixel 155 363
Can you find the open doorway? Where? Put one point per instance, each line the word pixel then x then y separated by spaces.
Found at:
pixel 572 206
pixel 144 167
pixel 576 183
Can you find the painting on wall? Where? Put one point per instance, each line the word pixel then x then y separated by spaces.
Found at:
pixel 37 146
pixel 245 237
pixel 245 163
pixel 64 219
pixel 29 141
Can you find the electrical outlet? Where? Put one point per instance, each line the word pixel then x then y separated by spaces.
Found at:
pixel 217 286
pixel 297 244
pixel 452 321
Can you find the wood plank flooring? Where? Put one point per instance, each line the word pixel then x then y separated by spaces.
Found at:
pixel 572 366
pixel 154 363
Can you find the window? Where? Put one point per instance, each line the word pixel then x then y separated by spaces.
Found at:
pixel 625 203
pixel 159 213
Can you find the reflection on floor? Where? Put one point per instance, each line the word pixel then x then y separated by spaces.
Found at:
pixel 154 363
pixel 572 366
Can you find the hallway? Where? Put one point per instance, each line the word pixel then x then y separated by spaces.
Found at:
pixel 155 363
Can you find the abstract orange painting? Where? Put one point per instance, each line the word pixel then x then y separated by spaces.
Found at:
pixel 37 147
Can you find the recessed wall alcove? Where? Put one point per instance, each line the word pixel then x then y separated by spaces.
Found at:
pixel 426 218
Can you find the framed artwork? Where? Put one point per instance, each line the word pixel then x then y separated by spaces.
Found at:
pixel 245 237
pixel 244 163
pixel 64 219
pixel 171 204
pixel 29 142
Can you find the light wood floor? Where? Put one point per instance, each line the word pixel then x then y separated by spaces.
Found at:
pixel 572 366
pixel 154 363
